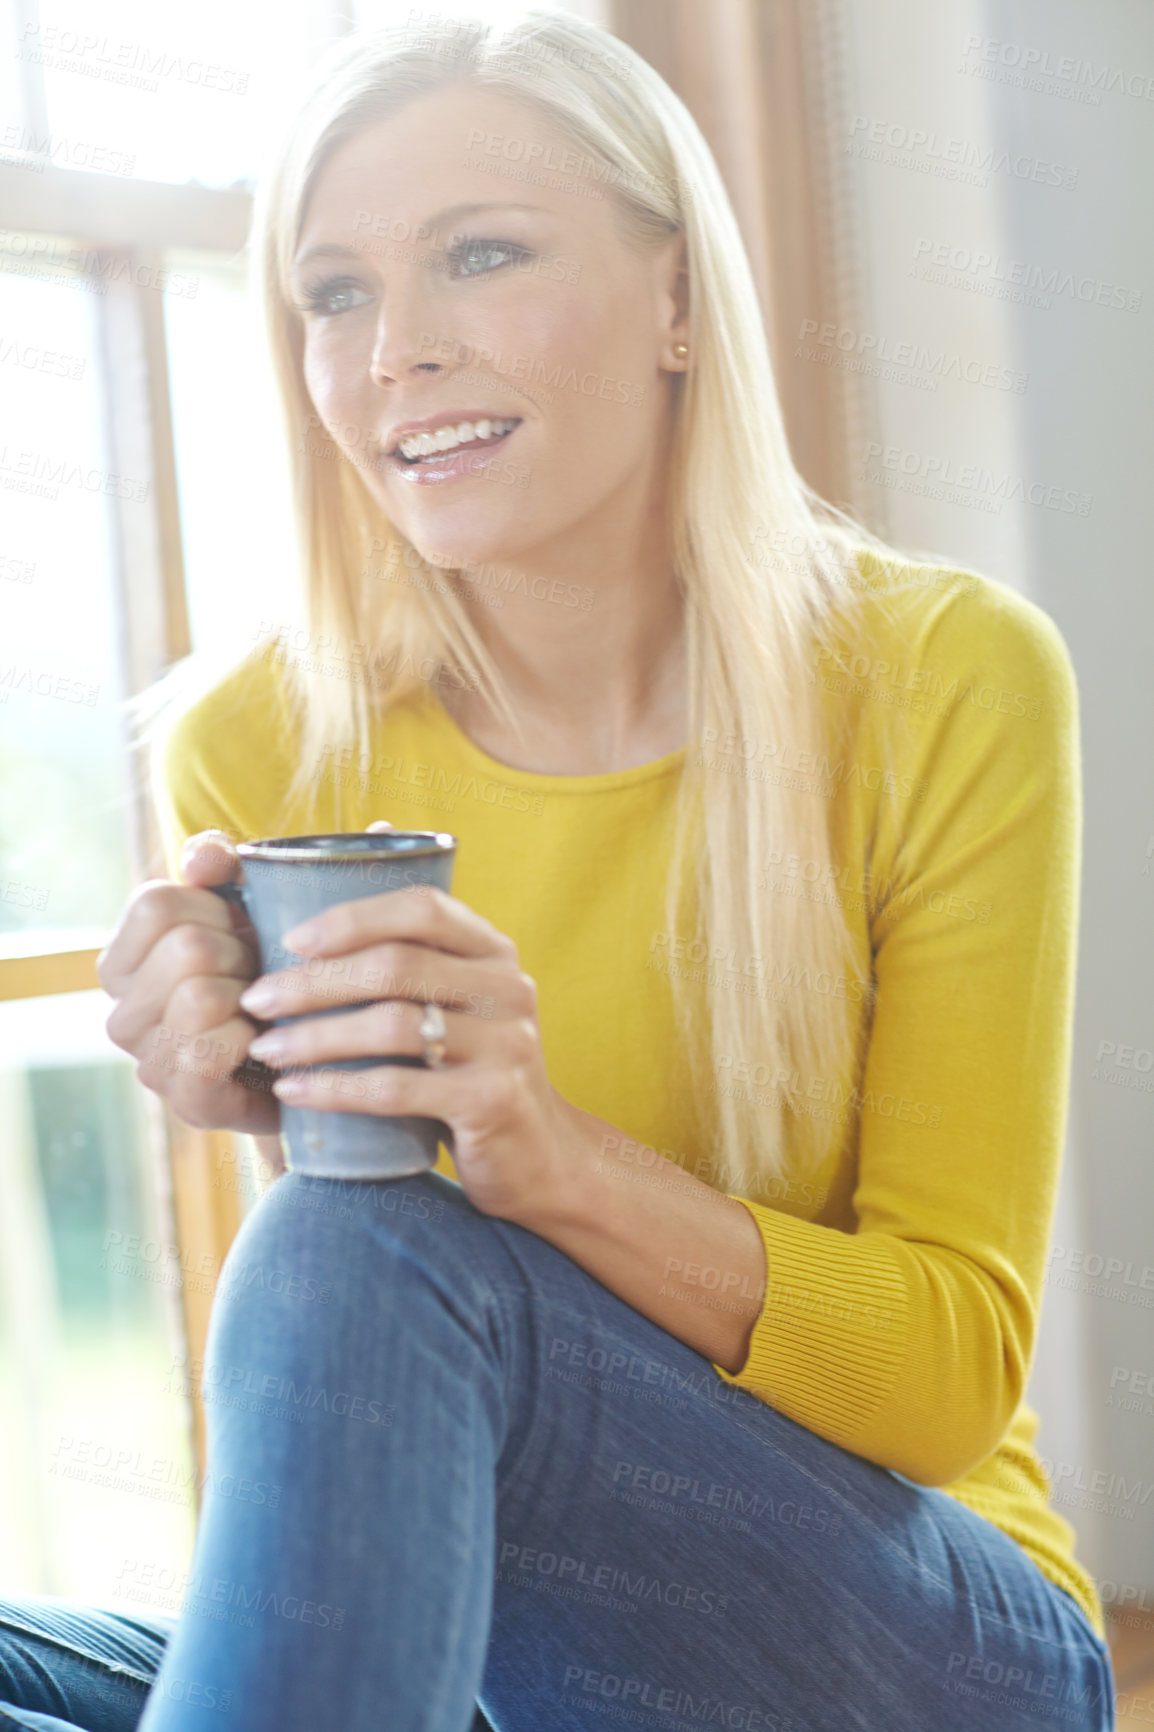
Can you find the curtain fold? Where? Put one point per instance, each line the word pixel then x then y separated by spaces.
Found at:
pixel 762 78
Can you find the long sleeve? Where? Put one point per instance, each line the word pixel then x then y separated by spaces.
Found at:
pixel 184 805
pixel 220 765
pixel 909 1340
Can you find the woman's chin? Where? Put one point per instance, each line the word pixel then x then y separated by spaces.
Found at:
pixel 466 551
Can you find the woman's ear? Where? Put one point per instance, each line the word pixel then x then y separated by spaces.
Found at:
pixel 673 304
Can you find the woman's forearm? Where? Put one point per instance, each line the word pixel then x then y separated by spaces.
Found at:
pixel 681 1253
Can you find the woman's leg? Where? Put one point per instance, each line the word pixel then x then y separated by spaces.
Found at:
pixel 67 1667
pixel 497 1479
pixel 64 1666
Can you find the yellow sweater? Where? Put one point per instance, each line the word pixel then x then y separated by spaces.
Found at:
pixel 905 1280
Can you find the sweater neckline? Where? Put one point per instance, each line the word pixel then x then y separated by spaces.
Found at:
pixel 607 782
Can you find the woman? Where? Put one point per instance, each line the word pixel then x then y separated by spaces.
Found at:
pixel 690 1389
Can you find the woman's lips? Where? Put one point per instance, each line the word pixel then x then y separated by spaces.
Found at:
pixel 444 466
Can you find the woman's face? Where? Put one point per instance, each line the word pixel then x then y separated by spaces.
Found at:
pixel 440 291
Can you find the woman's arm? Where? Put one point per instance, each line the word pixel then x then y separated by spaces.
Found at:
pixel 683 1254
pixel 910 1339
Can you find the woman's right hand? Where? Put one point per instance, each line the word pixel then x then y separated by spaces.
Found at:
pixel 176 966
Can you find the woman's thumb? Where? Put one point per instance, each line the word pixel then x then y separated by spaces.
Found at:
pixel 207 858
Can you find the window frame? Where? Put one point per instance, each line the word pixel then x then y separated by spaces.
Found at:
pixel 134 222
pixel 131 224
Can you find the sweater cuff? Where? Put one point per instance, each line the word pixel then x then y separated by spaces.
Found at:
pixel 830 1342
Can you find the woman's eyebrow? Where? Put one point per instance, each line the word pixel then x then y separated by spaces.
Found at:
pixel 328 249
pixel 460 210
pixel 451 214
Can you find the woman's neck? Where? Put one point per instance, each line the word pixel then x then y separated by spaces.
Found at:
pixel 593 660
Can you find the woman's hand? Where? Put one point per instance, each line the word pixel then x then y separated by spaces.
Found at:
pixel 517 1143
pixel 176 966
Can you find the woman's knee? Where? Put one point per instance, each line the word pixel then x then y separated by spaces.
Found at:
pixel 337 1299
pixel 307 1232
pixel 326 1225
pixel 316 1258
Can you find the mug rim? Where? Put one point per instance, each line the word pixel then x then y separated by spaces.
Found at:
pixel 285 849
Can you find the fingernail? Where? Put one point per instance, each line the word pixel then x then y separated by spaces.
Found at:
pixel 289 1085
pixel 268 1046
pixel 258 997
pixel 299 938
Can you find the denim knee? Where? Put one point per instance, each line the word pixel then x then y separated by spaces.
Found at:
pixel 322 1255
pixel 320 1227
pixel 353 1300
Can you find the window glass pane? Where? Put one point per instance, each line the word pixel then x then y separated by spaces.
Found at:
pixel 97 1476
pixel 171 93
pixel 189 93
pixel 235 504
pixel 372 14
pixel 64 860
pixel 13 130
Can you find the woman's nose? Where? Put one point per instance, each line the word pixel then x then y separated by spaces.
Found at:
pixel 405 337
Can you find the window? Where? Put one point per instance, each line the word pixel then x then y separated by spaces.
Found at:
pixel 98 1470
pixel 235 504
pixel 143 516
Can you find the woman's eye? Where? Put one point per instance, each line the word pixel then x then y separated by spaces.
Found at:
pixel 472 258
pixel 335 297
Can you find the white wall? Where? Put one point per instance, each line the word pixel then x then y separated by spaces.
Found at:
pixel 1083 424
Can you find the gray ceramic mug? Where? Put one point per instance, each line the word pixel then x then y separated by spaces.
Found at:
pixel 287 879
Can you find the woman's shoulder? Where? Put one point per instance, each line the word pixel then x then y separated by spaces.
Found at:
pixel 927 626
pixel 222 758
pixel 220 750
pixel 240 714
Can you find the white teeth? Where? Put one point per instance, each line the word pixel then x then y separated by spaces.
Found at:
pixel 448 438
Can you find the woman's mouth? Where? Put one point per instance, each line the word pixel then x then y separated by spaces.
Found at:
pixel 453 449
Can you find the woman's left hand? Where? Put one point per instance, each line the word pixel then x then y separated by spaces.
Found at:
pixel 518 1145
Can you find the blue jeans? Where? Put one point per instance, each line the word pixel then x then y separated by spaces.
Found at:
pixel 453 1480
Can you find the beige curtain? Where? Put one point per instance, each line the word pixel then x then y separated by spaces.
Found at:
pixel 761 78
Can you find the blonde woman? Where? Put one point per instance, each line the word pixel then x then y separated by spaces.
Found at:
pixel 689 1389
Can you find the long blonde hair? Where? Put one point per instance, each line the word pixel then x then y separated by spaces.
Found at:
pixel 766 567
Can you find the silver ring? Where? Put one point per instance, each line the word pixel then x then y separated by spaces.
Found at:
pixel 432 1032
